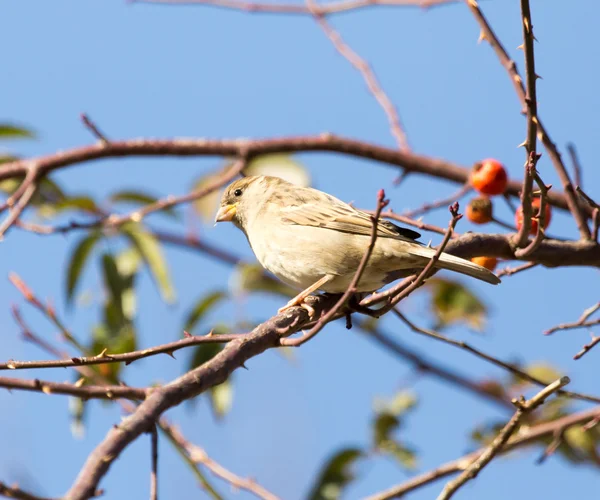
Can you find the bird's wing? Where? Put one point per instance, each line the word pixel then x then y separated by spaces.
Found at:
pixel 332 213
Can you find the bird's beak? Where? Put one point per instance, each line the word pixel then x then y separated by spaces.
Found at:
pixel 226 213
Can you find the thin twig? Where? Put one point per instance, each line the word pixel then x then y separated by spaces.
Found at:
pixel 93 128
pixel 17 209
pixel 389 214
pixel 443 202
pixel 154 463
pixel 81 391
pixel 488 34
pixel 428 269
pixel 595 212
pixel 334 7
pixel 351 290
pixel 523 253
pixel 125 404
pixel 423 365
pixel 198 455
pixel 587 347
pixel 576 164
pixel 525 437
pixel 523 408
pixel 580 323
pixel 367 73
pixel 552 447
pixel 18 494
pixel 127 358
pixel 30 176
pixel 495 361
pixel 509 271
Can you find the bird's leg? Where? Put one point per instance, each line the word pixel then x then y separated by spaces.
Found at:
pixel 355 306
pixel 298 300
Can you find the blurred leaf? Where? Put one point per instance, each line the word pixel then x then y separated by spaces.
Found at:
pixel 399 404
pixel 6 157
pixel 253 278
pixel 583 440
pixel 115 342
pixel 452 302
pixel 48 192
pixel 387 420
pixel 279 165
pixel 128 261
pixel 206 207
pixel 77 411
pixel 10 131
pixel 139 198
pixel 80 254
pixel 151 253
pixel 80 203
pixel 385 423
pixel 493 387
pixel 335 475
pixel 405 457
pixel 221 399
pixel 115 285
pixel 201 308
pixel 541 370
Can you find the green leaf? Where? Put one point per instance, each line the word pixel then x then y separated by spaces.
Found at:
pixel 541 370
pixel 206 207
pixel 150 251
pixel 77 412
pixel 387 421
pixel 112 278
pixel 385 424
pixel 11 131
pixel 128 261
pixel 201 308
pixel 406 457
pixel 47 192
pixel 139 198
pixel 77 203
pixel 402 402
pixel 452 302
pixel 115 342
pixel 80 254
pixel 279 165
pixel 221 398
pixel 335 475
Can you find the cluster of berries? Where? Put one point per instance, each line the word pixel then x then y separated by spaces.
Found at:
pixel 489 178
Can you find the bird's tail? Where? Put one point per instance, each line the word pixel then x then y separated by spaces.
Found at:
pixel 456 264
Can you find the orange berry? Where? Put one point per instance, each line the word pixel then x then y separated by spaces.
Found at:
pixel 479 210
pixel 489 177
pixel 535 205
pixel 489 263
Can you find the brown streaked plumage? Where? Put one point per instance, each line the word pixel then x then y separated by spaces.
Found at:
pixel 304 236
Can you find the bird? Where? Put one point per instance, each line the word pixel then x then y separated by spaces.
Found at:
pixel 313 241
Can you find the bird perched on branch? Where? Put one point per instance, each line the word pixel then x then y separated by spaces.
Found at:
pixel 312 241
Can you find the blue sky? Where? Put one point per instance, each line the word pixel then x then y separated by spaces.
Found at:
pixel 164 71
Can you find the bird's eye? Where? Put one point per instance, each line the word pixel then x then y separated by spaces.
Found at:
pixel 238 192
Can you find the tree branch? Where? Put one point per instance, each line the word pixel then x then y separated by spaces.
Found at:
pixel 411 162
pixel 335 7
pixel 525 437
pixel 569 195
pixel 523 408
pixel 80 391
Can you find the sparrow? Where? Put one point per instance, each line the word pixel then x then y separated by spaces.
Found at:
pixel 313 241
